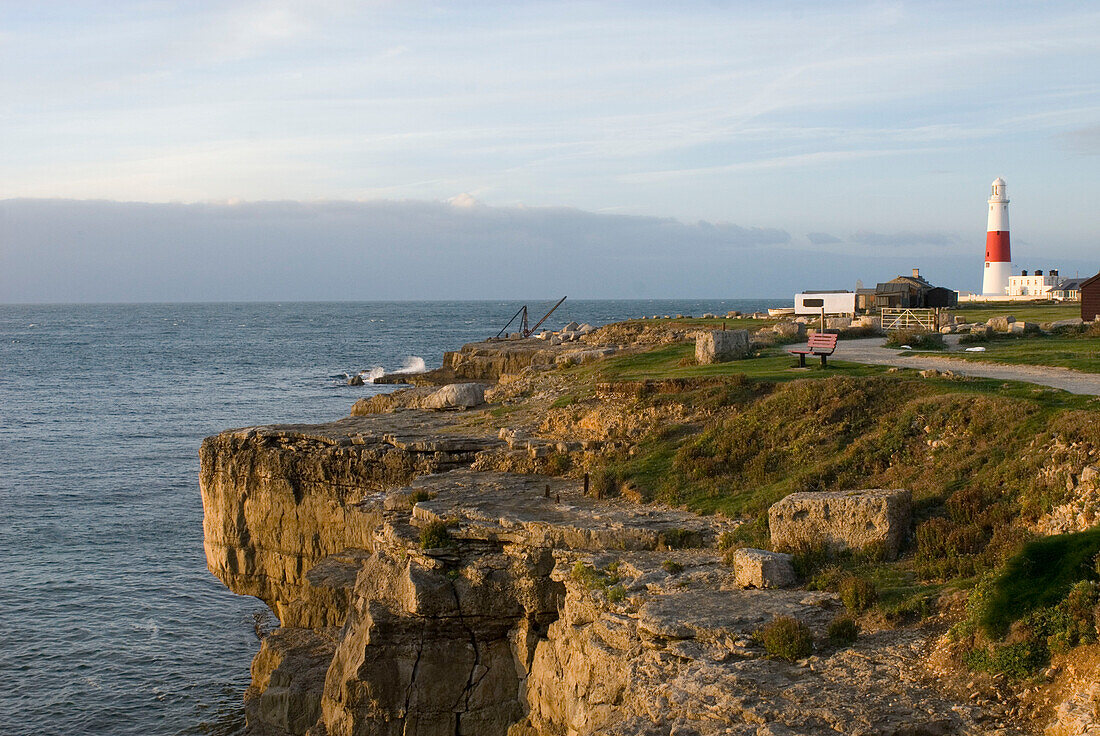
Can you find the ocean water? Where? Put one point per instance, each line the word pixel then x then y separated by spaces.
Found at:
pixel 109 620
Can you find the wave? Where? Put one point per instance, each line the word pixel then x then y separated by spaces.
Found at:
pixel 412 364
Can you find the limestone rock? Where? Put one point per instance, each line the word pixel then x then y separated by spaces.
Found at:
pixel 838 323
pixel 757 568
pixel 1074 322
pixel 869 519
pixel 981 330
pixel 1024 328
pixel 719 346
pixel 790 329
pixel 1001 324
pixel 456 396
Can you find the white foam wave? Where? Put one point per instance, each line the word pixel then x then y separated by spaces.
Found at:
pixel 374 374
pixel 412 364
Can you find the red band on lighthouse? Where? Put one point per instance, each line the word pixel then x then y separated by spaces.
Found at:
pixel 996 247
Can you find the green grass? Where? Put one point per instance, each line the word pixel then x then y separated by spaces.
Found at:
pixel 982 311
pixel 1039 576
pixel 1078 353
pixel 665 363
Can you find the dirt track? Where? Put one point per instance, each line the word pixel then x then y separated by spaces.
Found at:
pixel 871 351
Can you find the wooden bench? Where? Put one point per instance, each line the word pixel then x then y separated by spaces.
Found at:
pixel 820 344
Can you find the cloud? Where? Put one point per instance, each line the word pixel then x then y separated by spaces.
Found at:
pixel 1083 141
pixel 823 238
pixel 902 240
pixel 81 250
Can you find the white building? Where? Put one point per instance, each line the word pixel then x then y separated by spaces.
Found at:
pixel 1036 284
pixel 833 302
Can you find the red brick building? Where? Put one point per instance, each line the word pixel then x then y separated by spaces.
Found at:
pixel 1090 298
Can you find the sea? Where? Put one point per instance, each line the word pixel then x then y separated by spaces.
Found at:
pixel 110 622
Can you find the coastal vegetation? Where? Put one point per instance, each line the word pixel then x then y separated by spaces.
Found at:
pixel 985 459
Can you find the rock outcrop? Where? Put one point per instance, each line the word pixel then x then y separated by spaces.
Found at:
pixel 871 519
pixel 536 611
pixel 279 500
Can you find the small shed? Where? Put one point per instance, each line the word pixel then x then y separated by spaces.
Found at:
pixel 941 297
pixel 1090 298
pixel 865 299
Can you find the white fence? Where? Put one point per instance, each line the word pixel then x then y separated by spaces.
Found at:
pixel 909 319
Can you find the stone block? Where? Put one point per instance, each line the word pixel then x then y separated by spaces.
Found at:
pixel 838 323
pixel 1024 328
pixel 720 346
pixel 981 330
pixel 758 568
pixel 841 520
pixel 1001 324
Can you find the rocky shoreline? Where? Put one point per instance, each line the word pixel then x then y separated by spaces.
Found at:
pixel 435 572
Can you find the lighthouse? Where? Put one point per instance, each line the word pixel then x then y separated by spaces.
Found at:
pixel 998 258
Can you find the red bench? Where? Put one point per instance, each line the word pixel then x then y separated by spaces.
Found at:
pixel 820 344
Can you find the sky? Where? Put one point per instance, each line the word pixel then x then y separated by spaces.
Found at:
pixel 382 150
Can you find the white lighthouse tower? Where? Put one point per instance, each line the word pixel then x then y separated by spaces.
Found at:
pixel 998 257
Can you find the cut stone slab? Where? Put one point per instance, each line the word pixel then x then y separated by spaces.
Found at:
pixel 720 346
pixel 840 520
pixel 758 568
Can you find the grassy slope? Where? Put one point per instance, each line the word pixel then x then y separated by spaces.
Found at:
pixel 971 450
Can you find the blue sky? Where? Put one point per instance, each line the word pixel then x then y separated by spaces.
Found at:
pixel 857 129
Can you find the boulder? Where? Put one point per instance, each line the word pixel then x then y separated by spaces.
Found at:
pixel 1066 323
pixel 838 323
pixel 981 330
pixel 456 396
pixel 869 320
pixel 1024 328
pixel 732 313
pixel 1001 324
pixel 758 568
pixel 947 329
pixel 720 346
pixel 960 320
pixel 868 519
pixel 356 380
pixel 790 329
pixel 571 327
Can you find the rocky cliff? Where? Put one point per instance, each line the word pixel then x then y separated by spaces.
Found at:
pixel 533 610
pixel 421 591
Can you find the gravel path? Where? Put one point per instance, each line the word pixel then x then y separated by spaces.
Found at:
pixel 871 351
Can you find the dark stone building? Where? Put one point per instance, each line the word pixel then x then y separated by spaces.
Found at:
pixel 908 292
